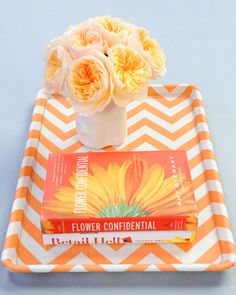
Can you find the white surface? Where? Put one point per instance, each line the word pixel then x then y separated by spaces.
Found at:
pixel 200 42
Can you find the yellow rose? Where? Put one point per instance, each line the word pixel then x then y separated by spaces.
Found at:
pixel 112 29
pixel 56 69
pixel 83 38
pixel 150 48
pixel 88 84
pixel 130 72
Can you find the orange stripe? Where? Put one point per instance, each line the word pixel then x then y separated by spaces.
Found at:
pixel 37 117
pixel 69 254
pixel 212 174
pixel 196 160
pixel 26 171
pixel 203 203
pixel 150 109
pixel 26 256
pixel 199 180
pixel 95 255
pixel 41 160
pixel 59 115
pixel 170 135
pixel 11 241
pixel 166 267
pixel 116 247
pixel 39 181
pixel 93 268
pixel 57 131
pixel 34 204
pixel 17 215
pixel 220 267
pixel 40 102
pixel 221 221
pixel 22 192
pixel 170 119
pixel 170 87
pixel 197 103
pixel 138 267
pixel 65 102
pixel 170 104
pixel 210 255
pixel 30 152
pixel 217 197
pixel 208 154
pixel 227 247
pixel 189 144
pixel 15 267
pixel 33 231
pixel 146 249
pixel 34 134
pixel 203 135
pixel 55 149
pixel 200 119
pixel 62 268
pixel 142 139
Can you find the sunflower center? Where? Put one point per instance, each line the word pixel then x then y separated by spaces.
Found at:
pixel 121 210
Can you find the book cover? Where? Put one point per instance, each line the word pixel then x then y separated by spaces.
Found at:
pixel 109 192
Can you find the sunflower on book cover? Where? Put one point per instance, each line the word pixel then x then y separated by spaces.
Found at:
pixel 133 188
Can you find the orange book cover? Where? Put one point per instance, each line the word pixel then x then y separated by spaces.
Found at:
pixel 98 192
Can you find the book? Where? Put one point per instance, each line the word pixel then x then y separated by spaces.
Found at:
pixel 174 236
pixel 117 194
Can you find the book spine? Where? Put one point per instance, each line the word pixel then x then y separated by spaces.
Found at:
pixel 119 238
pixel 119 224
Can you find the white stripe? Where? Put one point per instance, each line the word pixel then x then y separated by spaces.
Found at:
pixel 115 267
pixel 65 127
pixel 9 253
pixel 39 110
pixel 64 110
pixel 61 143
pixel 219 209
pixel 118 255
pixel 210 164
pixel 42 93
pixel 78 268
pixel 171 127
pixel 206 145
pixel 214 185
pixel 191 267
pixel 14 227
pixel 152 268
pixel 23 181
pixel 41 268
pixel 225 234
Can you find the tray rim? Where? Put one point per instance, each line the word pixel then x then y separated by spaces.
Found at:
pixel 41 100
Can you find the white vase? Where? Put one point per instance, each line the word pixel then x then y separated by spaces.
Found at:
pixel 108 127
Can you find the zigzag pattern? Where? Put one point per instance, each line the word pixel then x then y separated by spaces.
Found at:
pixel 172 117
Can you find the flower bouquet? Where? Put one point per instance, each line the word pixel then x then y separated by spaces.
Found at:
pixel 101 66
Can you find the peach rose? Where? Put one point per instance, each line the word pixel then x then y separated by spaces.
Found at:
pixel 130 73
pixel 83 38
pixel 88 83
pixel 151 50
pixel 56 69
pixel 112 29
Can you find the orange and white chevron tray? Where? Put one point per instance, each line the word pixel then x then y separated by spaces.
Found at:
pixel 172 117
